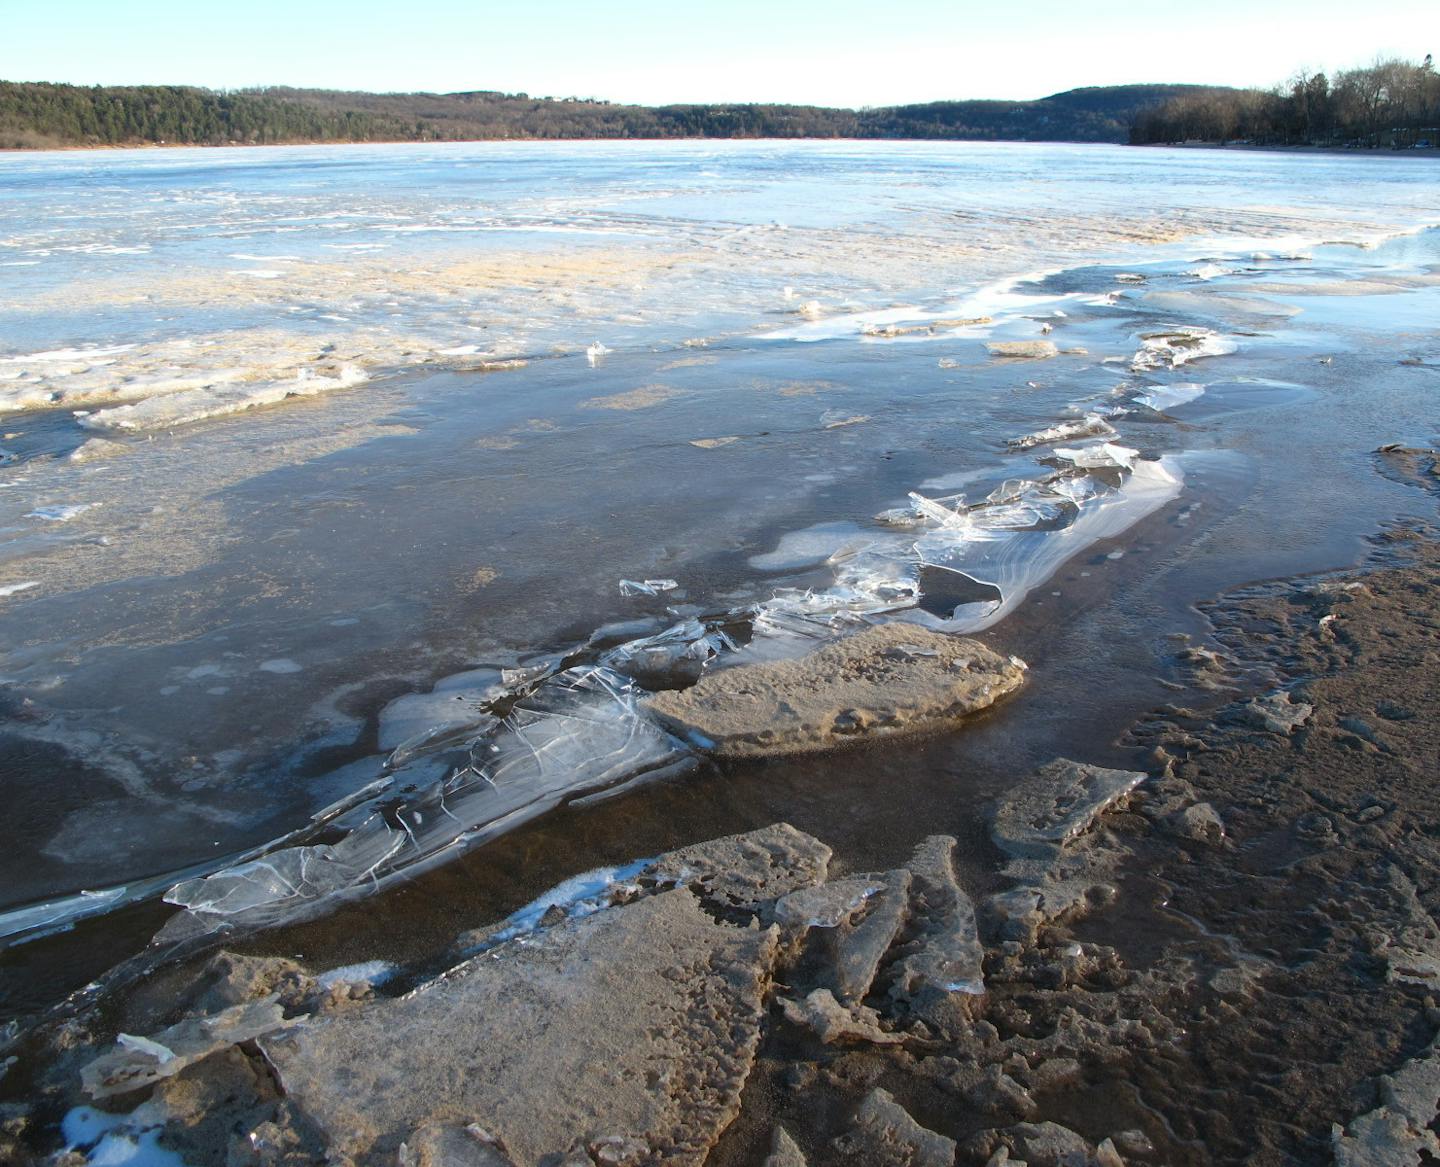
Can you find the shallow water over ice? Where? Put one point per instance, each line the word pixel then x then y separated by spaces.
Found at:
pixel 213 633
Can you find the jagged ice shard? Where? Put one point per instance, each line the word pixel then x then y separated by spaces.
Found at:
pixel 579 733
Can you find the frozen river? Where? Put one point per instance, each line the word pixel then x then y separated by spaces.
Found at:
pixel 310 454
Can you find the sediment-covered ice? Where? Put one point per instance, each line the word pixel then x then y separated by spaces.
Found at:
pixel 217 400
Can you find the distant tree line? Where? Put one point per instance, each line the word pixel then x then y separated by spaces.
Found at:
pixel 1390 103
pixel 36 114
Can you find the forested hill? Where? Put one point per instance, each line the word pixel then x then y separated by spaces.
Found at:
pixel 1389 103
pixel 39 115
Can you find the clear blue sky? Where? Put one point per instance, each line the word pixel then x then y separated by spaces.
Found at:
pixel 838 52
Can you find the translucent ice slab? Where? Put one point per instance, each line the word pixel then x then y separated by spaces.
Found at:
pixel 959 566
pixel 673 658
pixel 1180 346
pixel 579 733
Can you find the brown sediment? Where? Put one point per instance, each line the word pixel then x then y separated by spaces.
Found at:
pixel 642 398
pixel 1251 975
pixel 1030 350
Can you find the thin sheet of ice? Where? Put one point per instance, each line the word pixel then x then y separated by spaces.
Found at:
pixel 414 718
pixel 1091 425
pixel 812 546
pixel 672 658
pixel 580 732
pixel 1017 561
pixel 1008 543
pixel 1105 456
pixel 646 587
pixel 1210 271
pixel 1163 397
pixel 59 914
pixel 999 302
pixel 369 972
pixel 70 355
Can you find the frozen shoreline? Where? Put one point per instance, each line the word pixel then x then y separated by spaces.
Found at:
pixel 286 598
pixel 1074 939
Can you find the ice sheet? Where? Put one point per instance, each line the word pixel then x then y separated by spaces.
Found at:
pixel 1016 561
pixel 646 587
pixel 958 566
pixel 1163 397
pixel 670 659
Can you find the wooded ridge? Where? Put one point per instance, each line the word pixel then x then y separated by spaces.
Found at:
pixel 41 114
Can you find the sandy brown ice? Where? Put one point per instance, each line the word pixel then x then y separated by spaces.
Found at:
pixel 655 1007
pixel 892 678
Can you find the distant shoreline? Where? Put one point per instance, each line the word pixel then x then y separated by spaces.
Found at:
pixel 1247 147
pixel 1275 148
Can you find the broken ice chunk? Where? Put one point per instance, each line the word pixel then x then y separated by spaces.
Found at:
pixel 1169 350
pixel 845 690
pixel 832 1022
pixel 860 945
pixel 938 512
pixel 1105 456
pixel 748 871
pixel 825 906
pixel 1276 712
pixel 1163 397
pixel 60 514
pixel 646 587
pixel 141 1061
pixel 670 659
pixel 1033 350
pixel 1091 425
pixel 884 1132
pixel 1057 804
pixel 417 714
pixel 947 957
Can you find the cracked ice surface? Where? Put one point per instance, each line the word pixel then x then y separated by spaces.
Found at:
pixel 1008 543
pixel 579 733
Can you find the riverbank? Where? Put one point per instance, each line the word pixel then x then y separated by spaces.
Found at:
pixel 1227 956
